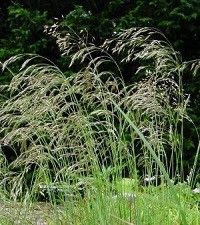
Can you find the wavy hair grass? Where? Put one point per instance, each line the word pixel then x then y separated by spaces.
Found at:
pixel 65 128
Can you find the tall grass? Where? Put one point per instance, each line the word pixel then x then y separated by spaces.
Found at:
pixel 85 132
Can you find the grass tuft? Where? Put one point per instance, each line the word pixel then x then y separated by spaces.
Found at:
pixel 72 140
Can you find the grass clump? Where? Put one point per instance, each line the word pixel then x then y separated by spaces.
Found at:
pixel 72 140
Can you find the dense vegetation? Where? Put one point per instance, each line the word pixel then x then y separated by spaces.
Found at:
pixel 107 99
pixel 22 24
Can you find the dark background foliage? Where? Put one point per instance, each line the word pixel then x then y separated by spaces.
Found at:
pixel 22 24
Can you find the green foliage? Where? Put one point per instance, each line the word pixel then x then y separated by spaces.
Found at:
pixel 178 20
pixel 79 17
pixel 25 32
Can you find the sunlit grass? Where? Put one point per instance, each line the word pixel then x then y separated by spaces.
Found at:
pixel 75 138
pixel 152 205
